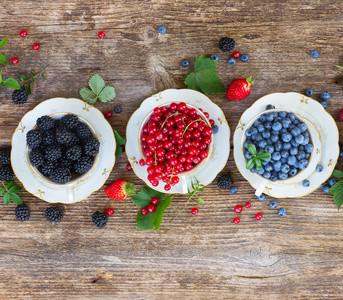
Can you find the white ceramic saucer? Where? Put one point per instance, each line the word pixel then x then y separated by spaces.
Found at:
pixel 81 187
pixel 221 140
pixel 314 112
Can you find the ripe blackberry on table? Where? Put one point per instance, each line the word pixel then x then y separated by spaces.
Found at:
pixel 48 167
pixel 74 152
pixel 53 152
pixel 5 159
pixel 19 96
pixel 36 157
pixel 70 121
pixel 99 219
pixel 22 212
pixel 54 214
pixel 45 123
pixel 61 175
pixel 6 173
pixel 48 137
pixel 83 165
pixel 83 131
pixel 225 182
pixel 66 137
pixel 226 44
pixel 34 138
pixel 90 147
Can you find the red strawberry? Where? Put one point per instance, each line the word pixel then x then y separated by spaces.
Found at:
pixel 120 189
pixel 340 116
pixel 239 89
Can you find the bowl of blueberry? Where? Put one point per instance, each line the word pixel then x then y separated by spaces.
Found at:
pixel 281 146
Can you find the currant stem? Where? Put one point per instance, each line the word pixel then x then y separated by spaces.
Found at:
pixel 174 114
pixel 182 210
pixel 201 120
pixel 5 186
pixel 40 73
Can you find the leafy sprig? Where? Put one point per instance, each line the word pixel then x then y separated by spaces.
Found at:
pixel 119 141
pixel 257 158
pixel 9 192
pixel 28 81
pixel 339 66
pixel 10 82
pixel 98 90
pixel 337 189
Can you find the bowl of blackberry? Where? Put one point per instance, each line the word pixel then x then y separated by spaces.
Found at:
pixel 280 146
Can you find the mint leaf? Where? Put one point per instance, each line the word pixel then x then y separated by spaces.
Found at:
pixel 96 83
pixel 250 164
pixel 143 197
pixel 107 94
pixel 16 199
pixel 119 141
pixel 337 173
pixel 160 211
pixel 252 149
pixel 3 59
pixel 2 190
pixel 87 95
pixel 7 198
pixel 3 42
pixel 337 191
pixel 14 189
pixel 12 83
pixel 204 78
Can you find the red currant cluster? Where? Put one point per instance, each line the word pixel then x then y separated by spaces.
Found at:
pixel 238 209
pixel 35 46
pixel 151 207
pixel 175 139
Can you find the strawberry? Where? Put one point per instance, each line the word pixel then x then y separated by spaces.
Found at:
pixel 120 189
pixel 340 116
pixel 239 89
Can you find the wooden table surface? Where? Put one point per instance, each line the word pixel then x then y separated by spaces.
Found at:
pixel 197 257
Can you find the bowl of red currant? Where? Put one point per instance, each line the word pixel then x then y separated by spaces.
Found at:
pixel 175 140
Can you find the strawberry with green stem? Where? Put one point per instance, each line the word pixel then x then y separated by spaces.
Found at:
pixel 239 89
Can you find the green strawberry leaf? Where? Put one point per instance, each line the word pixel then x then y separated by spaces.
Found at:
pixel 337 191
pixel 250 164
pixel 3 59
pixel 12 83
pixel 16 199
pixel 337 173
pixel 87 95
pixel 7 198
pixel 107 94
pixel 204 78
pixel 3 42
pixel 96 83
pixel 252 149
pixel 143 197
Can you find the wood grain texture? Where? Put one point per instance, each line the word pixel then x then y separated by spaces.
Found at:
pixel 196 257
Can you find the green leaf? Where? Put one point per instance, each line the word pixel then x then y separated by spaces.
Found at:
pixel 204 78
pixel 3 59
pixel 12 83
pixel 119 141
pixel 16 199
pixel 43 76
pixel 14 189
pixel 119 151
pixel 143 197
pixel 145 222
pixel 337 191
pixel 10 184
pixel 23 77
pixel 258 163
pixel 107 94
pixel 265 156
pixel 337 173
pixel 161 207
pixel 339 66
pixel 7 198
pixel 252 149
pixel 261 152
pixel 7 181
pixel 33 80
pixel 96 83
pixel 33 73
pixel 0 76
pixel 200 199
pixel 87 95
pixel 2 190
pixel 250 164
pixel 2 84
pixel 29 89
pixel 3 42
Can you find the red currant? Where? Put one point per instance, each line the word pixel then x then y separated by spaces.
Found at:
pixel 203 154
pixel 207 140
pixel 152 129
pixel 154 182
pixel 154 200
pixel 258 216
pixel 173 161
pixel 236 54
pixel 148 152
pixel 129 167
pixel 192 112
pixel 15 60
pixel 208 131
pixel 109 211
pixel 187 135
pixel 142 162
pixel 194 210
pixel 157 110
pixel 149 161
pixel 145 129
pixel 150 170
pixel 35 46
pixel 211 122
pixel 101 34
pixel 160 152
pixel 206 114
pixel 150 139
pixel 23 33
pixel 144 211
pixel 175 180
pixel 188 166
pixel 182 106
pixel 158 135
pixel 238 209
pixel 167 187
pixel 158 169
pixel 247 205
pixel 192 150
pixel 173 106
pixel 236 220
pixel 108 114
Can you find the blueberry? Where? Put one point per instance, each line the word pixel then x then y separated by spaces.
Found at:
pixel 309 93
pixel 258 137
pixel 269 106
pixel 260 128
pixel 314 53
pixel 282 212
pixel 301 148
pixel 321 186
pixel 248 132
pixel 273 204
pixel 283 130
pixel 285 168
pixel 215 129
pixel 309 148
pixel 214 57
pixel 162 29
pixel 301 155
pixel 306 133
pixel 286 146
pixel 253 130
pixel 286 137
pixel 277 126
pixel 264 163
pixel 306 183
pixel 282 175
pixel 274 138
pixel 261 171
pixel 262 144
pixel 319 168
pixel 302 127
pixel 341 153
pixel 274 176
pixel 291 160
pixel 185 63
pixel 257 122
pixel 269 149
pixel 306 140
pixel 269 167
pixel 295 131
pixel 332 181
pixel 270 117
pixel 284 154
pixel 244 57
pixel 276 156
pixel 266 174
pixel 262 197
pixel 293 172
pixel 231 61
pixel 294 143
pixel 278 146
pixel 326 189
pixel 291 116
pixel 293 151
pixel 118 109
pixel 307 156
pixel 246 143
pixel 253 170
pixel 296 165
pixel 248 155
pixel 325 96
pixel 266 134
pixel 233 190
pixel 299 139
pixel 282 114
pixel 283 160
pixel 268 124
pixel 303 164
pixel 325 105
pixel 277 166
pixel 263 118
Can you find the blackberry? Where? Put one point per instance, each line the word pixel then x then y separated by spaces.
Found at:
pixel 83 131
pixel 99 219
pixel 225 182
pixel 74 152
pixel 45 123
pixel 53 152
pixel 22 212
pixel 36 157
pixel 226 44
pixel 49 137
pixel 54 214
pixel 48 167
pixel 90 147
pixel 19 96
pixel 66 137
pixel 34 138
pixel 83 165
pixel 65 163
pixel 70 121
pixel 61 175
pixel 6 173
pixel 5 157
